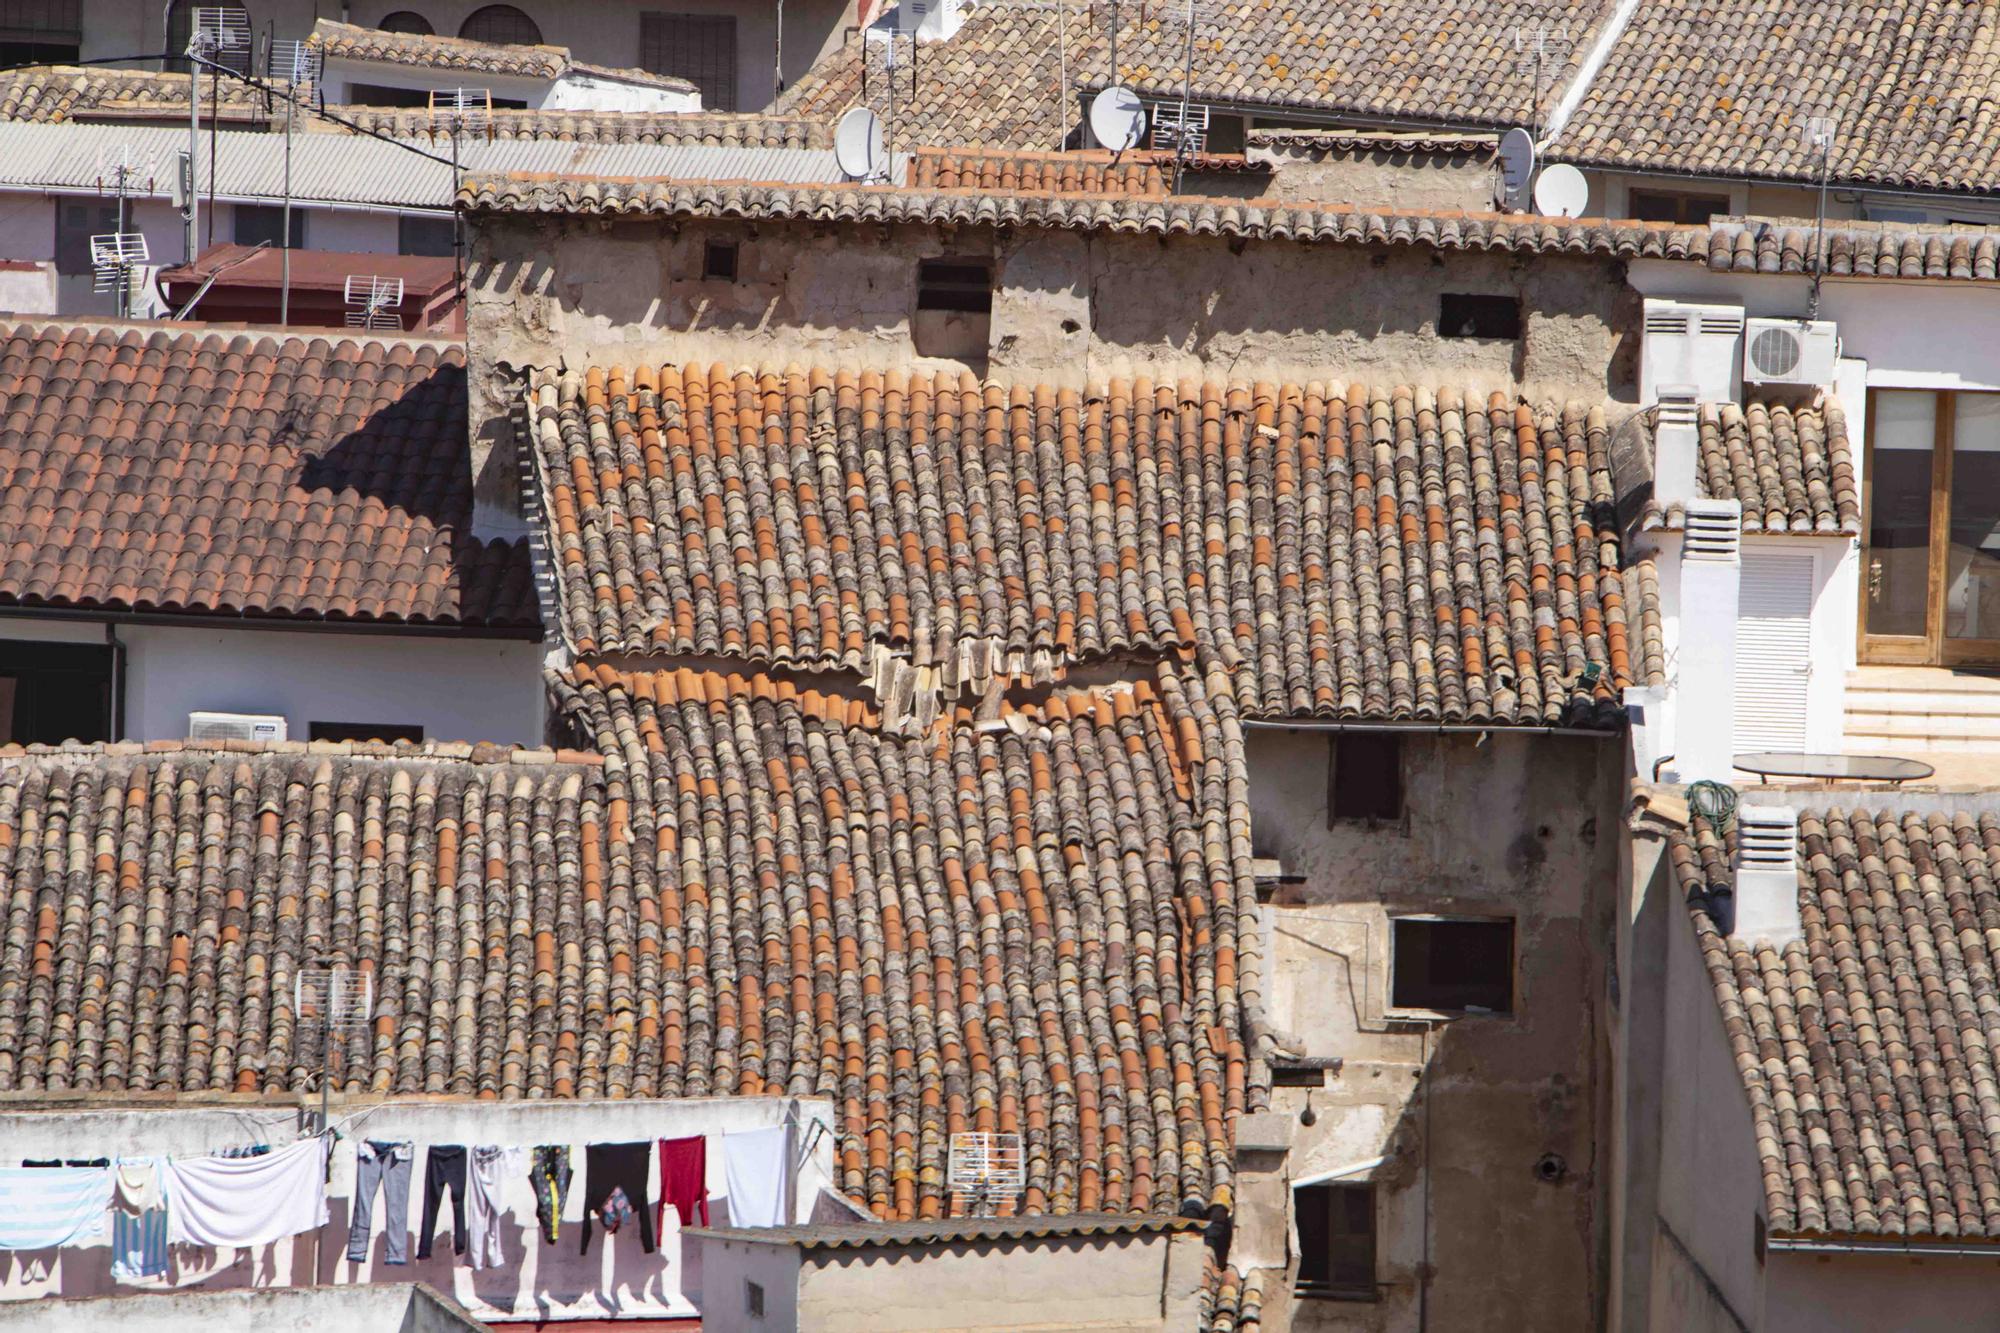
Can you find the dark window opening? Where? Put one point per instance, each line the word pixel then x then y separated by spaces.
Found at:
pixel 43 49
pixel 382 95
pixel 1297 1076
pixel 753 1299
pixel 1336 1241
pixel 1226 134
pixel 502 24
pixel 363 731
pixel 76 222
pixel 700 48
pixel 1368 775
pixel 1691 210
pixel 264 224
pixel 54 692
pixel 405 20
pixel 1455 966
pixel 425 236
pixel 962 285
pixel 718 261
pixel 1466 315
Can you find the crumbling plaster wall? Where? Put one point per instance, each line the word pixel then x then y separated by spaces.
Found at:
pixel 1515 825
pixel 1069 308
pixel 1388 180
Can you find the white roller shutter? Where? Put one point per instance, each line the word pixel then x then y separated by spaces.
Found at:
pixel 1773 651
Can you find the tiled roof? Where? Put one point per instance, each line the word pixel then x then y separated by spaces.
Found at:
pixel 1233 1301
pixel 1376 141
pixel 1694 86
pixel 1866 1047
pixel 1178 215
pixel 1388 553
pixel 1065 173
pixel 955 1230
pixel 1025 926
pixel 348 41
pixel 1788 464
pixel 1854 249
pixel 719 129
pixel 51 93
pixel 149 468
pixel 996 81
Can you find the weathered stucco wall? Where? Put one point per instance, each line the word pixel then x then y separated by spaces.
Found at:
pixel 1518 826
pixel 1068 308
pixel 402 1308
pixel 1391 180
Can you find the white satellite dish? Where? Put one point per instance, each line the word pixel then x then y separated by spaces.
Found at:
pixel 1561 192
pixel 857 145
pixel 1517 166
pixel 1117 119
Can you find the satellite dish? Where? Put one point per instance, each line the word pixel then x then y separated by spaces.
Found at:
pixel 1561 192
pixel 1517 166
pixel 857 145
pixel 1117 119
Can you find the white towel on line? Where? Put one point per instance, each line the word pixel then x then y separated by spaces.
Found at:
pixel 756 1166
pixel 247 1200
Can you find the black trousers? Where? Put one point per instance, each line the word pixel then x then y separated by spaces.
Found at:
pixel 444 1169
pixel 618 1166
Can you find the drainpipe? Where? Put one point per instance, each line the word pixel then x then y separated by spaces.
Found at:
pixel 117 680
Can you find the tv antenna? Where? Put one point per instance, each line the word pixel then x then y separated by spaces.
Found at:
pixel 217 35
pixel 374 302
pixel 1117 119
pixel 1821 132
pixel 338 1002
pixel 988 1169
pixel 858 145
pixel 294 66
pixel 113 258
pixel 1538 49
pixel 458 112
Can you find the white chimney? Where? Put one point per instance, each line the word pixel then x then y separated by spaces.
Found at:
pixel 929 20
pixel 1767 874
pixel 1705 683
pixel 1676 447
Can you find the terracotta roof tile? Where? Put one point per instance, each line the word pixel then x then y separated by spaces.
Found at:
pixel 1788 464
pixel 52 93
pixel 151 468
pixel 1866 1047
pixel 1387 553
pixel 1730 89
pixel 1854 249
pixel 719 129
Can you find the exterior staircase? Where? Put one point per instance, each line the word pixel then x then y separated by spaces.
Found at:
pixel 1922 712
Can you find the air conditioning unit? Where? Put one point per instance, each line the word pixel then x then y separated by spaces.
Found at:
pixel 1691 344
pixel 236 727
pixel 1790 351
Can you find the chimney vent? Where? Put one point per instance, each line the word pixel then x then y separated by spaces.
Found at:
pixel 1705 677
pixel 1676 447
pixel 1767 874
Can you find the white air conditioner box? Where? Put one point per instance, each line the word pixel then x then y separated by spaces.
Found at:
pixel 1790 351
pixel 1694 345
pixel 235 727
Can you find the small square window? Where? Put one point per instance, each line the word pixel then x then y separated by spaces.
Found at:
pixel 1368 775
pixel 1469 315
pixel 1455 966
pixel 954 316
pixel 1336 1241
pixel 718 261
pixel 753 1299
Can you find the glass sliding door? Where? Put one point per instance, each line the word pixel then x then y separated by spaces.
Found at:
pixel 1903 461
pixel 1931 591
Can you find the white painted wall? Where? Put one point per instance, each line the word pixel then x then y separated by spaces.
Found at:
pixel 615 1279
pixel 383 1309
pixel 456 689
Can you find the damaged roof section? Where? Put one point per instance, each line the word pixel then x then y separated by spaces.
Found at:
pixel 1866 1045
pixel 179 469
pixel 1388 553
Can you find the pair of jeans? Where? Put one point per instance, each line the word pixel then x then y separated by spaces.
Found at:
pixel 550 1175
pixel 444 1169
pixel 379 1162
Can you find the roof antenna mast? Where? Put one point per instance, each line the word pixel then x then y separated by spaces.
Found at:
pixel 1820 131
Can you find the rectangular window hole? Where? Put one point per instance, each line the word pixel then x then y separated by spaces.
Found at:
pixel 1453 965
pixel 1470 315
pixel 718 261
pixel 1368 775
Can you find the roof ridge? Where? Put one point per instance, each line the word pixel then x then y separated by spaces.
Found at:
pixel 475 752
pixel 11 324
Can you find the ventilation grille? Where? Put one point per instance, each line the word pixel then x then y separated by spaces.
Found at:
pixel 1767 838
pixel 1775 353
pixel 1666 321
pixel 1724 324
pixel 1714 531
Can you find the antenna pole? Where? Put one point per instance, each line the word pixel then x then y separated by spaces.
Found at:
pixel 285 258
pixel 1819 223
pixel 193 210
pixel 124 271
pixel 1062 64
pixel 1187 78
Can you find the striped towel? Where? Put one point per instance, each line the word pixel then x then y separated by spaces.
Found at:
pixel 43 1207
pixel 139 1221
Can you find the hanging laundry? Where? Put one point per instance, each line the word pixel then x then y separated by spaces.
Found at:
pixel 549 1174
pixel 489 1170
pixel 138 1221
pixel 618 1168
pixel 245 1150
pixel 232 1201
pixel 138 1188
pixel 683 1180
pixel 42 1207
pixel 756 1168
pixel 444 1169
pixel 383 1164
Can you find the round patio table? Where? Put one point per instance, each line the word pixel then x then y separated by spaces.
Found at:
pixel 1833 767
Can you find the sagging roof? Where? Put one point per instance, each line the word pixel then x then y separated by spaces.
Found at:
pixel 354 170
pixel 348 41
pixel 997 80
pixel 179 469
pixel 571 194
pixel 1787 462
pixel 1854 249
pixel 1908 85
pixel 953 1231
pixel 1392 553
pixel 1866 1046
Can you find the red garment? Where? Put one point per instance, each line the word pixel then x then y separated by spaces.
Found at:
pixel 684 1179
